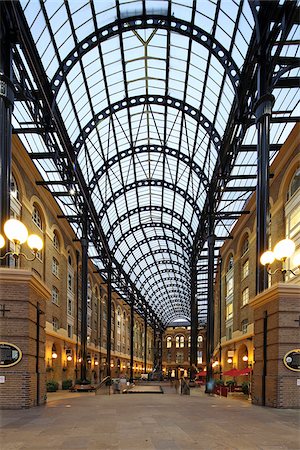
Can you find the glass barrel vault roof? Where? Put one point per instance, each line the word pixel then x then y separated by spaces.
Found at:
pixel 145 90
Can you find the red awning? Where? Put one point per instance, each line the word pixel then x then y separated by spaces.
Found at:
pixel 246 371
pixel 232 373
pixel 201 374
pixel 237 373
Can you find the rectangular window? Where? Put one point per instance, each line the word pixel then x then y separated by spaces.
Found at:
pixel 229 311
pixel 55 324
pixel 244 326
pixel 55 296
pixel 245 272
pixel 229 286
pixel 229 333
pixel 55 267
pixel 70 331
pixel 179 358
pixel 70 282
pixel 199 357
pixel 245 296
pixel 70 307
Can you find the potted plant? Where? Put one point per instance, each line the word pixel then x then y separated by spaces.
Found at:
pixel 245 387
pixel 52 386
pixel 230 384
pixel 66 384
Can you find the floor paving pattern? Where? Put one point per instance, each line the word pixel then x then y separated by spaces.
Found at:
pixel 149 421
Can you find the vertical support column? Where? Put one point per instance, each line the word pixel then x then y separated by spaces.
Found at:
pixel 210 296
pixel 109 305
pixel 154 348
pixel 220 317
pixel 194 319
pixel 6 106
pixel 263 111
pixel 145 344
pixel 84 283
pixel 131 338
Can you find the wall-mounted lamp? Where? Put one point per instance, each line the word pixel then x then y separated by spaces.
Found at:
pixel 54 353
pixel 69 354
pixel 215 363
pixel 229 360
pixel 283 249
pixel 96 362
pixel 17 233
pixel 245 358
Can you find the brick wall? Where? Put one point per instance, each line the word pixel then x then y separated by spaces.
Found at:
pixel 22 293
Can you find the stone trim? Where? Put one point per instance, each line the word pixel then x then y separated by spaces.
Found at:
pixel 278 290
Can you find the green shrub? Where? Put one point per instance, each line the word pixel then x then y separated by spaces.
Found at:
pixel 66 384
pixel 52 386
pixel 219 382
pixel 245 387
pixel 230 383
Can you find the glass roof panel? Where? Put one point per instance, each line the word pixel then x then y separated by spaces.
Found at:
pixel 147 109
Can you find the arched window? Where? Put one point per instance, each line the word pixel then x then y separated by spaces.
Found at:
pixel 14 190
pixel 36 217
pixel 230 263
pixel 169 342
pixel 294 184
pixel 199 341
pixel 56 244
pixel 229 277
pixel 245 246
pixel 292 218
pixel 179 341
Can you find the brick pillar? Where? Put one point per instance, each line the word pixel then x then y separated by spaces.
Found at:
pixel 24 296
pixel 277 310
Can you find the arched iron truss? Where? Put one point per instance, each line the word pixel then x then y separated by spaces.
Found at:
pixel 193 117
pixel 173 24
pixel 158 252
pixel 184 242
pixel 149 183
pixel 148 100
pixel 148 208
pixel 164 240
pixel 146 149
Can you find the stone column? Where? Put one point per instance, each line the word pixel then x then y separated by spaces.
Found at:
pixel 276 332
pixel 23 299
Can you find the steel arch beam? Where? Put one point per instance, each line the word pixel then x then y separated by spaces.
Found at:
pixel 146 149
pixel 147 100
pixel 155 252
pixel 157 264
pixel 149 183
pixel 180 280
pixel 151 225
pixel 174 271
pixel 172 24
pixel 173 289
pixel 153 238
pixel 148 208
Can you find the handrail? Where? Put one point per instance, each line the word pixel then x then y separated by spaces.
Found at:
pixel 102 383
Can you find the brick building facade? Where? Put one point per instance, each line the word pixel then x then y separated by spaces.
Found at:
pixel 58 266
pixel 176 351
pixel 235 285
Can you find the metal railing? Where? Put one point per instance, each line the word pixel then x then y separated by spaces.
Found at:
pixel 103 388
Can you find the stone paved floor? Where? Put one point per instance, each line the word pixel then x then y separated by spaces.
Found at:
pixel 149 421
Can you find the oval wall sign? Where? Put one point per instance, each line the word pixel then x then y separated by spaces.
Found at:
pixel 292 360
pixel 10 354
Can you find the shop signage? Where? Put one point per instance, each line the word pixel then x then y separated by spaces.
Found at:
pixel 292 360
pixel 10 354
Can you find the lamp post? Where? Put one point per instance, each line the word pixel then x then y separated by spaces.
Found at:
pixel 17 233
